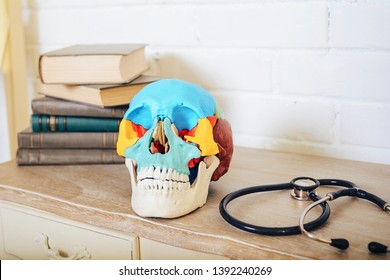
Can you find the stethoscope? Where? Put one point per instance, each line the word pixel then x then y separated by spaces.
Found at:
pixel 303 188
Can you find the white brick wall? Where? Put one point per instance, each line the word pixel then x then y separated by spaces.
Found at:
pixel 308 76
pixel 279 118
pixel 217 68
pixel 262 24
pixel 359 75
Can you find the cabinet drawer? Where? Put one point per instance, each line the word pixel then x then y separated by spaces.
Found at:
pixel 30 235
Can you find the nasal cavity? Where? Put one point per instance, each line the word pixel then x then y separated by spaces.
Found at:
pixel 159 143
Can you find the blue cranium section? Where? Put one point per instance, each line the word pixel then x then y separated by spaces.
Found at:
pixel 182 102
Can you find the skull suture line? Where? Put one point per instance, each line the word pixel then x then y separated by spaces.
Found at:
pixel 175 142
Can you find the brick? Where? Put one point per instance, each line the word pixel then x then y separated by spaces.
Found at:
pixel 216 68
pixel 339 74
pixel 278 118
pixel 365 125
pixel 263 25
pixel 360 26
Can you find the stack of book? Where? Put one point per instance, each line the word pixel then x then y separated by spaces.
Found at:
pixel 86 90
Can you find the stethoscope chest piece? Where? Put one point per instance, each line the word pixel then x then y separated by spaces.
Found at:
pixel 302 186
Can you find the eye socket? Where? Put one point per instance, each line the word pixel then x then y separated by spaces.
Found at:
pixel 141 116
pixel 184 118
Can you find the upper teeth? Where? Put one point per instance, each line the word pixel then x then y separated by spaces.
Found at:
pixel 162 174
pixel 162 179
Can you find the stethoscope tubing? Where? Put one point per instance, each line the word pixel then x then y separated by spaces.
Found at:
pixel 272 231
pixel 352 190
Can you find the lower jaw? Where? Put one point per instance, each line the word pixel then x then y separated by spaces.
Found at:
pixel 172 202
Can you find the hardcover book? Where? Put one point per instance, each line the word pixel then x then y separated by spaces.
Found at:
pixel 102 95
pixel 91 64
pixel 67 156
pixel 61 107
pixel 62 140
pixel 46 123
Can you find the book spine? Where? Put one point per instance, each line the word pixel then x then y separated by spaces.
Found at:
pixel 50 106
pixel 34 140
pixel 40 74
pixel 67 156
pixel 43 123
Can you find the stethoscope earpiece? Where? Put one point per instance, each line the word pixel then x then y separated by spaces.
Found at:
pixel 374 247
pixel 377 248
pixel 339 243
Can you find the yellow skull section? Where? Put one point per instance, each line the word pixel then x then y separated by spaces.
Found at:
pixel 204 138
pixel 127 137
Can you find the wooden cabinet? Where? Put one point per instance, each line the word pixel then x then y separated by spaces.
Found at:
pixel 152 250
pixel 33 234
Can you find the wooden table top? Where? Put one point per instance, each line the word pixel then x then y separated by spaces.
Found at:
pixel 100 195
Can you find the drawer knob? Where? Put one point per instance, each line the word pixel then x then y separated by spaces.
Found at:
pixel 80 252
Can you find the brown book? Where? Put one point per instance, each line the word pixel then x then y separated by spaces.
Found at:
pixel 100 95
pixel 66 140
pixel 92 64
pixel 61 107
pixel 67 156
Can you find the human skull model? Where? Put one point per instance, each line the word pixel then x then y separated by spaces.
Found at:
pixel 175 141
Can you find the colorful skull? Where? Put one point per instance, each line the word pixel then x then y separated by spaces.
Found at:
pixel 175 141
